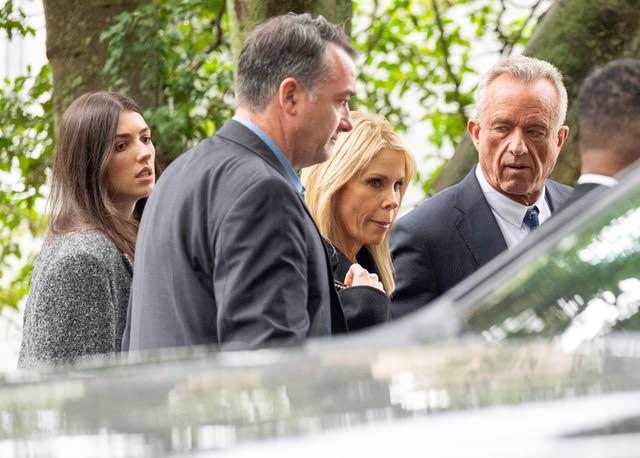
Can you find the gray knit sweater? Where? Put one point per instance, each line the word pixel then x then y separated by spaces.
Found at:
pixel 77 303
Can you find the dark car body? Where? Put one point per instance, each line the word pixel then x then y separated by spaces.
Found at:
pixel 534 355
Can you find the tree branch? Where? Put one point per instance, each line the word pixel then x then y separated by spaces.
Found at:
pixel 373 39
pixel 520 31
pixel 502 38
pixel 447 64
pixel 217 25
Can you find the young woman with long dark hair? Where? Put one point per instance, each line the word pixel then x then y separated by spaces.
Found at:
pixel 104 166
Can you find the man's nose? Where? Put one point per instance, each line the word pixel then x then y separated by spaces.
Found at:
pixel 517 144
pixel 345 120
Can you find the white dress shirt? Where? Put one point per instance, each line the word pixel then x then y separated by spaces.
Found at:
pixel 509 214
pixel 596 178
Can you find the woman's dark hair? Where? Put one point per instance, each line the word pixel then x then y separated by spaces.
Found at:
pixel 85 145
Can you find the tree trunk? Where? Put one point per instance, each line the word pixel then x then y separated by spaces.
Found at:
pixel 576 36
pixel 74 50
pixel 244 15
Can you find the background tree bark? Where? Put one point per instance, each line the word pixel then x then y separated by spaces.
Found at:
pixel 74 50
pixel 576 36
pixel 244 15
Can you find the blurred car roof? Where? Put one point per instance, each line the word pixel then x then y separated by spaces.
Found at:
pixel 522 355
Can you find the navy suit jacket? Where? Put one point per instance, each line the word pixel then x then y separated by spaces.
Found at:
pixel 446 239
pixel 228 253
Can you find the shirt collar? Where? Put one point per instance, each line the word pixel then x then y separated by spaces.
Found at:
pixel 510 210
pixel 291 173
pixel 597 179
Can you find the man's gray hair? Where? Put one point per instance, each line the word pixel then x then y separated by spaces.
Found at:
pixel 291 45
pixel 527 70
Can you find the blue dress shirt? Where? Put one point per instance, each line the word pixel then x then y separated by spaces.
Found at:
pixel 291 173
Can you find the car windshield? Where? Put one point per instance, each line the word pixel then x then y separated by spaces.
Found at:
pixel 583 284
pixel 576 277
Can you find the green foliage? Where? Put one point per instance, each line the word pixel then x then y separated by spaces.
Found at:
pixel 416 59
pixel 26 149
pixel 412 51
pixel 12 21
pixel 417 51
pixel 190 88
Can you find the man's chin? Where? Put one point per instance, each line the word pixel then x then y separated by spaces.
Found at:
pixel 327 152
pixel 319 157
pixel 522 195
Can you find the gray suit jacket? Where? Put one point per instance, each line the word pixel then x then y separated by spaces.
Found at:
pixel 227 253
pixel 446 239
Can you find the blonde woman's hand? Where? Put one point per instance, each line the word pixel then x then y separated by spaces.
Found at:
pixel 359 276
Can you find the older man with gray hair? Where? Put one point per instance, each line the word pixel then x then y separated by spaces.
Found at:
pixel 518 134
pixel 227 252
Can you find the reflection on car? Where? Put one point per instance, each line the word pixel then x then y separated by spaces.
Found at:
pixel 538 351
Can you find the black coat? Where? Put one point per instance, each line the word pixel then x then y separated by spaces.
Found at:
pixel 581 190
pixel 363 306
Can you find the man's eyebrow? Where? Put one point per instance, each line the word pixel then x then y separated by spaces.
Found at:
pixel 500 121
pixel 539 123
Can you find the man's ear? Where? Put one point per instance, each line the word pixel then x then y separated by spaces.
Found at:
pixel 289 93
pixel 473 127
pixel 563 133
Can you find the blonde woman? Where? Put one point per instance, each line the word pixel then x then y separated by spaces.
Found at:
pixel 354 198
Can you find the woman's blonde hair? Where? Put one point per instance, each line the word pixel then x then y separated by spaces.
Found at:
pixel 353 152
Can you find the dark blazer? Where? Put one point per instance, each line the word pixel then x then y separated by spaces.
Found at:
pixel 581 190
pixel 227 253
pixel 446 239
pixel 363 306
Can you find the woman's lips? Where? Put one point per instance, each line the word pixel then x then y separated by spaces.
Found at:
pixel 382 224
pixel 145 176
pixel 146 172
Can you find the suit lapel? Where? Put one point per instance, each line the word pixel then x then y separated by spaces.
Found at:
pixel 235 132
pixel 338 319
pixel 475 223
pixel 556 195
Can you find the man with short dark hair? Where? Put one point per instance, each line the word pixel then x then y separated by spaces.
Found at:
pixel 227 252
pixel 609 125
pixel 518 134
